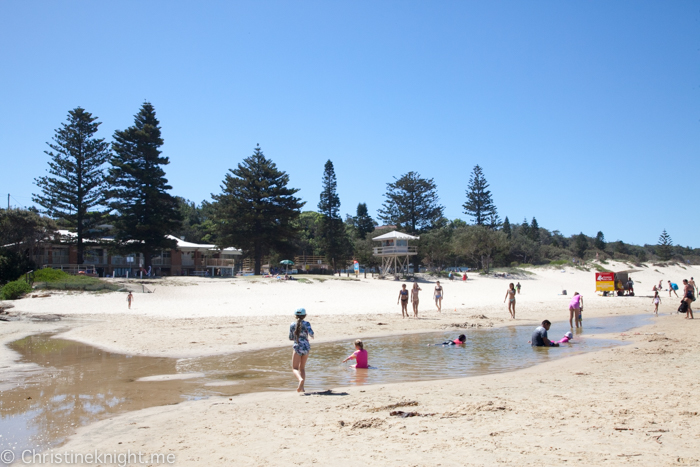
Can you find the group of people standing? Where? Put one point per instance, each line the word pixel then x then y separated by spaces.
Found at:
pixel 438 293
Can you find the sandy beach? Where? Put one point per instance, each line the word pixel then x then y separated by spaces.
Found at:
pixel 633 404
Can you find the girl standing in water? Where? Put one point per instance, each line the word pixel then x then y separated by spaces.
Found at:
pixel 656 302
pixel 511 300
pixel 299 332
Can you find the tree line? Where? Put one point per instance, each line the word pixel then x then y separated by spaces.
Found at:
pixel 119 189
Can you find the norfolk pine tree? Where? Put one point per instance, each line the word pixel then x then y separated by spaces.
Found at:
pixel 74 192
pixel 411 204
pixel 663 248
pixel 479 203
pixel 144 210
pixel 334 239
pixel 364 224
pixel 256 211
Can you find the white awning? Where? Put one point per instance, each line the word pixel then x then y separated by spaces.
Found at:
pixel 395 235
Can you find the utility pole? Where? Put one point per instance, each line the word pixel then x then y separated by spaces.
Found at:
pixel 8 201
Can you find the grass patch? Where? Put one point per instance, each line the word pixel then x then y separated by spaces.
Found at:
pixel 600 268
pixel 14 290
pixel 55 279
pixel 304 281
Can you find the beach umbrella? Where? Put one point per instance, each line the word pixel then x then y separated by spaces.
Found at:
pixel 287 263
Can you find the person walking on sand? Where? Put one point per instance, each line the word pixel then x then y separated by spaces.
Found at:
pixel 414 298
pixel 129 299
pixel 510 296
pixel 359 355
pixel 656 300
pixel 517 287
pixel 403 298
pixel 671 289
pixel 299 332
pixel 575 306
pixel 688 297
pixel 438 294
pixel 692 284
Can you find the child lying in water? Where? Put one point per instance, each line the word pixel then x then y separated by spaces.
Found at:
pixel 359 355
pixel 459 341
pixel 567 337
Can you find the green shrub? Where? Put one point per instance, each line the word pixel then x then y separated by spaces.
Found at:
pixel 15 289
pixel 51 275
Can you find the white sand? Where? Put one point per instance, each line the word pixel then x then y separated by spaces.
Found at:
pixel 573 410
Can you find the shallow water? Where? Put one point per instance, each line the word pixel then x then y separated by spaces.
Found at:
pixel 73 384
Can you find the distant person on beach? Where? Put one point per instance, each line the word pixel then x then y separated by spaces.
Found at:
pixel 656 300
pixel 403 298
pixel 451 276
pixel 359 355
pixel 671 289
pixel 539 336
pixel 464 277
pixel 414 298
pixel 517 287
pixel 575 306
pixel 459 341
pixel 661 287
pixel 510 296
pixel 129 299
pixel 688 297
pixel 692 284
pixel 437 295
pixel 299 332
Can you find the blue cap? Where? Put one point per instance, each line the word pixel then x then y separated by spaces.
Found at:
pixel 300 312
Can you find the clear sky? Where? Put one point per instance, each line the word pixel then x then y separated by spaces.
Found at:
pixel 584 114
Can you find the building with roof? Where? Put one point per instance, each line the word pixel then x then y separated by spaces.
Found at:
pixel 395 252
pixel 186 259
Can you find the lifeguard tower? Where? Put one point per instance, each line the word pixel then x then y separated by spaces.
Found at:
pixel 395 252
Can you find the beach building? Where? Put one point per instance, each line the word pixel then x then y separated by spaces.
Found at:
pixel 395 252
pixel 187 259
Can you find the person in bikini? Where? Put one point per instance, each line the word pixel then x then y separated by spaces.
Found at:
pixel 511 301
pixel 403 298
pixel 437 294
pixel 414 298
pixel 299 332
pixel 688 297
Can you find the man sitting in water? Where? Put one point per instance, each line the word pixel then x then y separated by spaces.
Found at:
pixel 539 336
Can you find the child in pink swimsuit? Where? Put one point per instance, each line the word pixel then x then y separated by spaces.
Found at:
pixel 567 337
pixel 359 355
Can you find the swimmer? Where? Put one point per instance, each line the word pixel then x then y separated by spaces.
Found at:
pixel 359 355
pixel 567 338
pixel 462 339
pixel 299 332
pixel 403 298
pixel 437 294
pixel 511 300
pixel 539 336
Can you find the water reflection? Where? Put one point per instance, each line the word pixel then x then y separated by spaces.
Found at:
pixel 78 384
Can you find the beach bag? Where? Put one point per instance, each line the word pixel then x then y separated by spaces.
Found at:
pixel 674 286
pixel 683 308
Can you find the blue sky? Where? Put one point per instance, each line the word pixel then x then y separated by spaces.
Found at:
pixel 585 114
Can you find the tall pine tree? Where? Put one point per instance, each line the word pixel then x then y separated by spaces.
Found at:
pixel 534 233
pixel 663 248
pixel 144 210
pixel 412 204
pixel 334 239
pixel 256 210
pixel 507 228
pixel 364 223
pixel 74 191
pixel 479 203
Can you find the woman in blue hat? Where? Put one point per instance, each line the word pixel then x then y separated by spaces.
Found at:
pixel 299 332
